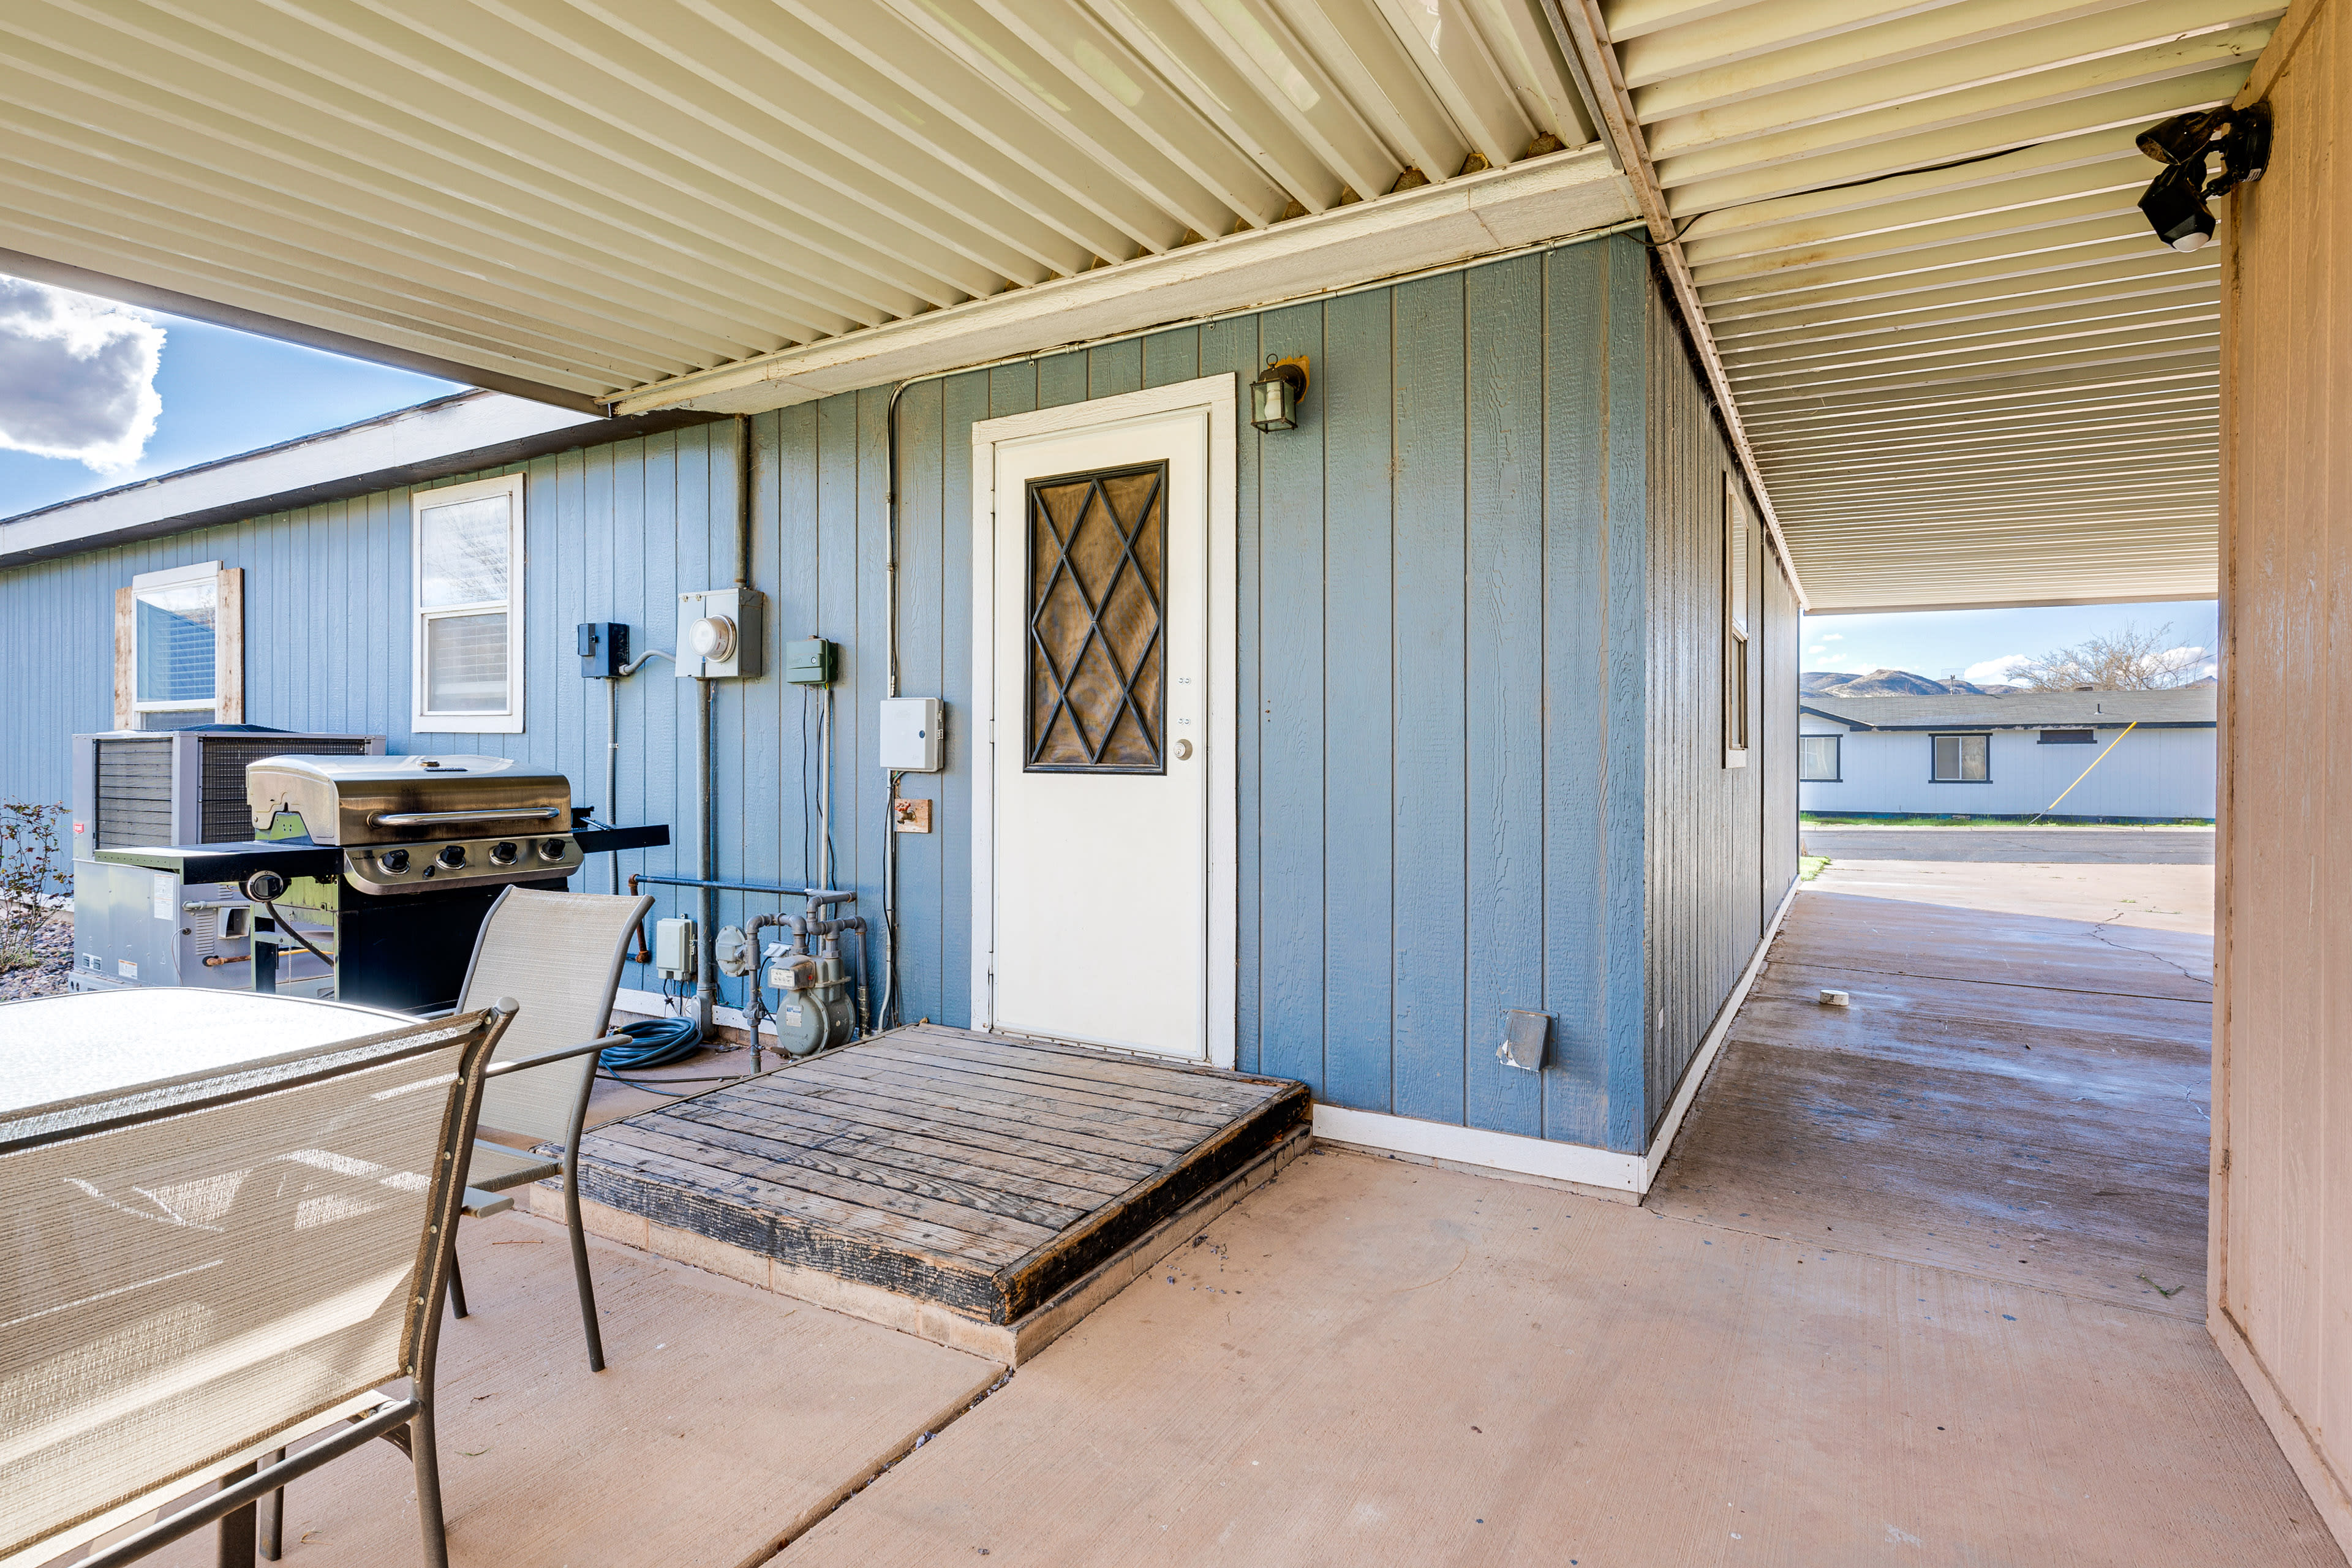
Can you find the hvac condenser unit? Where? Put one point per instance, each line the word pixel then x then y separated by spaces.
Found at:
pixel 138 927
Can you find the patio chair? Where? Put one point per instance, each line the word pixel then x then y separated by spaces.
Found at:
pixel 560 954
pixel 202 1270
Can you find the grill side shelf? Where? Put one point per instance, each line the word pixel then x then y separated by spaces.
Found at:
pixel 229 862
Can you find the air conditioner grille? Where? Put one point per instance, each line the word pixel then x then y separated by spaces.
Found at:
pixel 135 791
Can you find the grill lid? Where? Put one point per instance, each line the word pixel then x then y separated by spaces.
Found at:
pixel 403 800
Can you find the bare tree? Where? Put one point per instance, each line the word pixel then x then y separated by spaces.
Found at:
pixel 2125 660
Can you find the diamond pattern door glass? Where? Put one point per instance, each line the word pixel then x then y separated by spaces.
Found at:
pixel 1097 661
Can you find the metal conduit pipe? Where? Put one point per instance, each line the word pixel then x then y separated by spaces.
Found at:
pixel 891 683
pixel 705 825
pixel 613 759
pixel 706 897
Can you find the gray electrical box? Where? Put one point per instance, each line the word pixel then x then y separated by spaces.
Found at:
pixel 913 735
pixel 722 633
pixel 809 662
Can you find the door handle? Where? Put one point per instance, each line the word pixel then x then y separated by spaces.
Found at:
pixel 1184 751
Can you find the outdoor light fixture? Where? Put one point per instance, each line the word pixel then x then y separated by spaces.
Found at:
pixel 1275 396
pixel 2174 203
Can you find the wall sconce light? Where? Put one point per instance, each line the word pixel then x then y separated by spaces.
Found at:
pixel 1275 396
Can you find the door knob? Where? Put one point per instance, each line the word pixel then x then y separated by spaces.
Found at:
pixel 1184 751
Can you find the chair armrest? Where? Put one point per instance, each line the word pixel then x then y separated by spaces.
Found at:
pixel 524 1064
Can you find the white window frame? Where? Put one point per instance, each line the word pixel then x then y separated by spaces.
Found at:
pixel 208 572
pixel 505 721
pixel 1739 700
pixel 1963 736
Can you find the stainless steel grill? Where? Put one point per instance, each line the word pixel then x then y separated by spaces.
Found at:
pixel 410 825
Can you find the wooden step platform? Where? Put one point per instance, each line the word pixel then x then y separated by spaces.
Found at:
pixel 980 1189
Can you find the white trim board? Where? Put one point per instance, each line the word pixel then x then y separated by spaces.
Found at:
pixel 1579 1162
pixel 1557 197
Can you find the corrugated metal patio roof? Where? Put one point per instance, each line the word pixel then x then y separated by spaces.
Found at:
pixel 1965 370
pixel 1958 366
pixel 576 200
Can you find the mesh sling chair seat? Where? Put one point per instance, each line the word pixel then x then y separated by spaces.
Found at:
pixel 560 954
pixel 197 1269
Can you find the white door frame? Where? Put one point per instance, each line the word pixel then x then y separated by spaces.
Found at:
pixel 1219 397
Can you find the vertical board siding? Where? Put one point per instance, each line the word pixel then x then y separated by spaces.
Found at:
pixel 1475 682
pixel 2281 1214
pixel 1711 889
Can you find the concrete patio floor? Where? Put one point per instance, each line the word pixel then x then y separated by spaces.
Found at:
pixel 1373 1362
pixel 1378 1361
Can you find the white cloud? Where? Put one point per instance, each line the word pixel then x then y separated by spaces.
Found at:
pixel 1832 637
pixel 77 376
pixel 1995 671
pixel 1815 649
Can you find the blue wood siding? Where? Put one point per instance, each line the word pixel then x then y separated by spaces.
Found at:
pixel 1720 839
pixel 1467 660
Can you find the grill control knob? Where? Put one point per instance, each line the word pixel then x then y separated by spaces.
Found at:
pixel 503 854
pixel 393 862
pixel 452 856
pixel 551 849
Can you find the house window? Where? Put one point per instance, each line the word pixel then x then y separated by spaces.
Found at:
pixel 178 649
pixel 468 612
pixel 1818 759
pixel 1736 531
pixel 1097 571
pixel 1960 759
pixel 2069 737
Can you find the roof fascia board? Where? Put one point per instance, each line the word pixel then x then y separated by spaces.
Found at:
pixel 450 436
pixel 61 274
pixel 1554 198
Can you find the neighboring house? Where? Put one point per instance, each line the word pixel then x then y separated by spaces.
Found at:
pixel 2096 756
pixel 1443 673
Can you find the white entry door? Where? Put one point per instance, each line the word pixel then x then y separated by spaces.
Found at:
pixel 1094 628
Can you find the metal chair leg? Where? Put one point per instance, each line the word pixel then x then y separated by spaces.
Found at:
pixel 272 1531
pixel 580 1268
pixel 456 1284
pixel 429 1489
pixel 236 1528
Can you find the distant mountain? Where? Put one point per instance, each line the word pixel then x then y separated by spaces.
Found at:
pixel 1885 683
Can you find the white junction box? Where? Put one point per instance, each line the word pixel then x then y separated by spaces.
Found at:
pixel 914 734
pixel 674 953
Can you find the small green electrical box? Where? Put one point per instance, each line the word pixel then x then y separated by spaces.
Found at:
pixel 809 663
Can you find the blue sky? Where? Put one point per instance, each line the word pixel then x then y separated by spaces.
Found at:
pixel 1955 642
pixel 222 393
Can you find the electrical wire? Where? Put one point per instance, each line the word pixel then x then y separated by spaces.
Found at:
pixel 287 927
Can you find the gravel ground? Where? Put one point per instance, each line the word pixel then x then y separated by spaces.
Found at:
pixel 54 945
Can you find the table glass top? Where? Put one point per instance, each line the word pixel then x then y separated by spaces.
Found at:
pixel 59 1048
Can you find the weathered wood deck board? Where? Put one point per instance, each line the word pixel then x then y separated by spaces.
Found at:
pixel 1090 1067
pixel 1007 1086
pixel 859 1098
pixel 983 1173
pixel 1106 1173
pixel 914 1151
pixel 1134 1137
pixel 1054 1079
